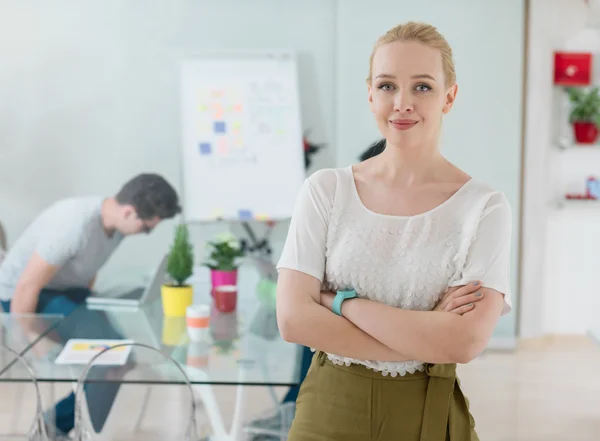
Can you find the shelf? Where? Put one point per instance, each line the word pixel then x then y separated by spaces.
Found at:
pixel 583 203
pixel 565 145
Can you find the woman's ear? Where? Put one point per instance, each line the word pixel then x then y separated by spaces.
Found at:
pixel 370 95
pixel 450 98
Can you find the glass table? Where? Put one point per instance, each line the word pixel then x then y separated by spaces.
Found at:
pixel 243 348
pixel 21 332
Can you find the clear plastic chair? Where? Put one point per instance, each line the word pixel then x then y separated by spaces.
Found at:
pixel 37 432
pixel 273 425
pixel 141 373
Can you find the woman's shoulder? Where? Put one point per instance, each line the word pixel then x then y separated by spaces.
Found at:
pixel 484 192
pixel 480 200
pixel 328 181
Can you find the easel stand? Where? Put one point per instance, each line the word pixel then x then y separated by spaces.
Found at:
pixel 262 247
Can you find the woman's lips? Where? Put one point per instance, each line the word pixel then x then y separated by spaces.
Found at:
pixel 403 124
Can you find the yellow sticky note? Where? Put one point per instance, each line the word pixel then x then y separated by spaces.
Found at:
pixel 217 213
pixel 262 217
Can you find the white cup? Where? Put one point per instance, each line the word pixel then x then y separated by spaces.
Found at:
pixel 198 321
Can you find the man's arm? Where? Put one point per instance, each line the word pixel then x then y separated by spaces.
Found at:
pixel 430 336
pixel 303 320
pixel 35 276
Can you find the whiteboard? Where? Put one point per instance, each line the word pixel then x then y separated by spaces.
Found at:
pixel 242 155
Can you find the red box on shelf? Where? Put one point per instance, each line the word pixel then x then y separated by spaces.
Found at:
pixel 572 68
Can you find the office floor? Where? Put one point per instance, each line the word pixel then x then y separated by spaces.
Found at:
pixel 548 390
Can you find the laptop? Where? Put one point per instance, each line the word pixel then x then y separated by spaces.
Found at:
pixel 135 297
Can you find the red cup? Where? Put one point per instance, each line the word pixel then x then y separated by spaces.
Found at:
pixel 225 297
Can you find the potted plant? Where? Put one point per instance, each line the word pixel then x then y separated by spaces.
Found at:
pixel 224 253
pixel 585 114
pixel 177 295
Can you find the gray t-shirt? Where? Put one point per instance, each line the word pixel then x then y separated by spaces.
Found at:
pixel 68 234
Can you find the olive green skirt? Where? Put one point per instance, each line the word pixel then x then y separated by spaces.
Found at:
pixel 354 403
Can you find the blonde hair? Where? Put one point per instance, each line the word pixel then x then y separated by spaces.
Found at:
pixel 425 34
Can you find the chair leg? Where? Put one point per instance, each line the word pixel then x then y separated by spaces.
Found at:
pixel 140 417
pixel 18 407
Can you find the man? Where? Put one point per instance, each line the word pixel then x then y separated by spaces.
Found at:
pixel 52 267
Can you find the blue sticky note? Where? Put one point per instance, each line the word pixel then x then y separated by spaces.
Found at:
pixel 205 148
pixel 245 215
pixel 219 126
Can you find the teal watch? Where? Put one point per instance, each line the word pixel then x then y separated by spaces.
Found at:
pixel 339 298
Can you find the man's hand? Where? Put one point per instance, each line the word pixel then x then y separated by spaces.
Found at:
pixel 460 300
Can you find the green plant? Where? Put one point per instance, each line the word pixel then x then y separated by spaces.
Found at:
pixel 180 264
pixel 224 252
pixel 585 105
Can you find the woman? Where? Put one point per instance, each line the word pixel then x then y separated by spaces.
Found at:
pixel 397 268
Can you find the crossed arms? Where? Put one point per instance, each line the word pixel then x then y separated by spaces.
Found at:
pixel 371 330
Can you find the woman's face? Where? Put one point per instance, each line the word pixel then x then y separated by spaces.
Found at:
pixel 408 94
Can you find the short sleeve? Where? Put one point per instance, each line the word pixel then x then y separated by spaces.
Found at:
pixel 305 245
pixel 59 243
pixel 488 257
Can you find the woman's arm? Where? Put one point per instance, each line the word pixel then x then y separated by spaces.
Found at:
pixel 303 320
pixel 438 337
pixel 430 336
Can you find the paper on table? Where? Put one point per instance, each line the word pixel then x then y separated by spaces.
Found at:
pixel 81 351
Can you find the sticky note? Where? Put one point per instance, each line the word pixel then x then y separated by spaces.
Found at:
pixel 222 146
pixel 262 217
pixel 219 126
pixel 205 148
pixel 245 214
pixel 217 213
pixel 237 108
pixel 203 107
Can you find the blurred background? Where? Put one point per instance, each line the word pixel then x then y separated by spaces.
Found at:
pixel 90 96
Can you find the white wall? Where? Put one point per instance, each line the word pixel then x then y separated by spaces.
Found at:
pixel 90 94
pixel 560 247
pixel 482 134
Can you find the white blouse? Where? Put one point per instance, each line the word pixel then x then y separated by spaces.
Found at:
pixel 403 261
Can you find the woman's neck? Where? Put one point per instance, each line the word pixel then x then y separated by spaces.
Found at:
pixel 407 167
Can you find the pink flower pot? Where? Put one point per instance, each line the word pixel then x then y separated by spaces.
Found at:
pixel 220 278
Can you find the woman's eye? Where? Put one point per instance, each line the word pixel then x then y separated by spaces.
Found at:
pixel 386 87
pixel 422 88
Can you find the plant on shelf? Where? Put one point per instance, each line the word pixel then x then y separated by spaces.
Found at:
pixel 178 295
pixel 224 253
pixel 585 114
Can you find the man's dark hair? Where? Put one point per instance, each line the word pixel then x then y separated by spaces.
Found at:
pixel 373 150
pixel 151 196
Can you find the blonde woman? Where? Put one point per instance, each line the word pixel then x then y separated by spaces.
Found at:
pixel 397 268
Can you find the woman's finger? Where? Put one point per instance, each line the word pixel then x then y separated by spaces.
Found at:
pixel 463 300
pixel 463 309
pixel 462 291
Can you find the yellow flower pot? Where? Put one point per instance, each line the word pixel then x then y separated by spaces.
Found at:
pixel 176 299
pixel 174 331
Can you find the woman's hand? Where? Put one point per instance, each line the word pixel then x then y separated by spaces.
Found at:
pixel 327 299
pixel 460 300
